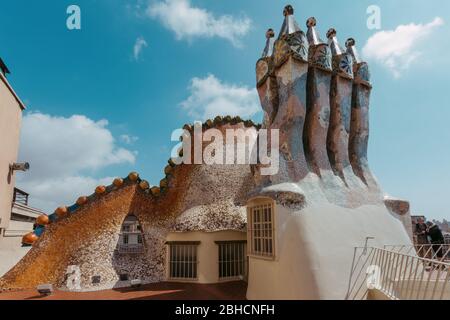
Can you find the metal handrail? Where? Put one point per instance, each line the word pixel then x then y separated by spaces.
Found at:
pixel 399 276
pixel 130 248
pixel 430 251
pixel 20 196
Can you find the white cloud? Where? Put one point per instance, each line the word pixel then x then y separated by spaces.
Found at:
pixel 188 22
pixel 128 139
pixel 398 49
pixel 210 97
pixel 63 154
pixel 50 193
pixel 139 45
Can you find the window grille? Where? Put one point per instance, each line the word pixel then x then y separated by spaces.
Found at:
pixel 183 261
pixel 261 230
pixel 232 260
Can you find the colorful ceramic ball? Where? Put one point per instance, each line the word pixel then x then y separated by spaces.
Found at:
pixel 118 182
pixel 29 238
pixel 100 190
pixel 42 220
pixel 156 191
pixel 133 176
pixel 144 185
pixel 163 184
pixel 81 200
pixel 61 211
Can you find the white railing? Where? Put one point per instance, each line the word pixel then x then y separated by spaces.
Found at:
pixel 439 252
pixel 397 276
pixel 130 248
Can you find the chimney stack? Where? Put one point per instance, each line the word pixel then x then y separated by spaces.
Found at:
pixel 351 49
pixel 359 127
pixel 282 80
pixel 268 50
pixel 340 111
pixel 289 25
pixel 333 42
pixel 318 103
pixel 311 34
pixel 316 93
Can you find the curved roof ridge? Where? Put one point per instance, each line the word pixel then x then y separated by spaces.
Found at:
pixel 132 178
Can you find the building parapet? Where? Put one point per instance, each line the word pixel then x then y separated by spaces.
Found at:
pixel 5 81
pixel 23 210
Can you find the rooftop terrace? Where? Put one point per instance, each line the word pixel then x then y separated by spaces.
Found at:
pixel 157 291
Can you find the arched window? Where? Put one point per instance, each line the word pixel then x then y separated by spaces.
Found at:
pixel 130 237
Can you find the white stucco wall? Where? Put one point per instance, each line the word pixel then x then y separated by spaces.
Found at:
pixel 11 250
pixel 314 250
pixel 10 122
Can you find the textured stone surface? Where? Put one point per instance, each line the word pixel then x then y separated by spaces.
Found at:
pixel 317 120
pixel 322 115
pixel 197 198
pixel 288 199
pixel 400 207
pixel 289 118
pixel 339 130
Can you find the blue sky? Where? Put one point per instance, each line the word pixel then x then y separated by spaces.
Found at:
pixel 129 100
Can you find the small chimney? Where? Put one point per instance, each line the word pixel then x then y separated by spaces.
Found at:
pixel 3 68
pixel 268 50
pixel 289 25
pixel 312 34
pixel 350 44
pixel 333 42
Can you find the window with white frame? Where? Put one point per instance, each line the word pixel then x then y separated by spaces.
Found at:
pixel 232 259
pixel 261 229
pixel 130 237
pixel 183 260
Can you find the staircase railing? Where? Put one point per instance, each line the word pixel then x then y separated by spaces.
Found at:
pixel 397 276
pixel 439 252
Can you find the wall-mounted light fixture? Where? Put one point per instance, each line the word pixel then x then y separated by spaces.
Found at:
pixel 25 166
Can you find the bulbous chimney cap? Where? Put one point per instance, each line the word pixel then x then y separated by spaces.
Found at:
pixel 331 33
pixel 311 22
pixel 289 24
pixel 333 43
pixel 350 43
pixel 288 10
pixel 268 50
pixel 270 33
pixel 312 35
